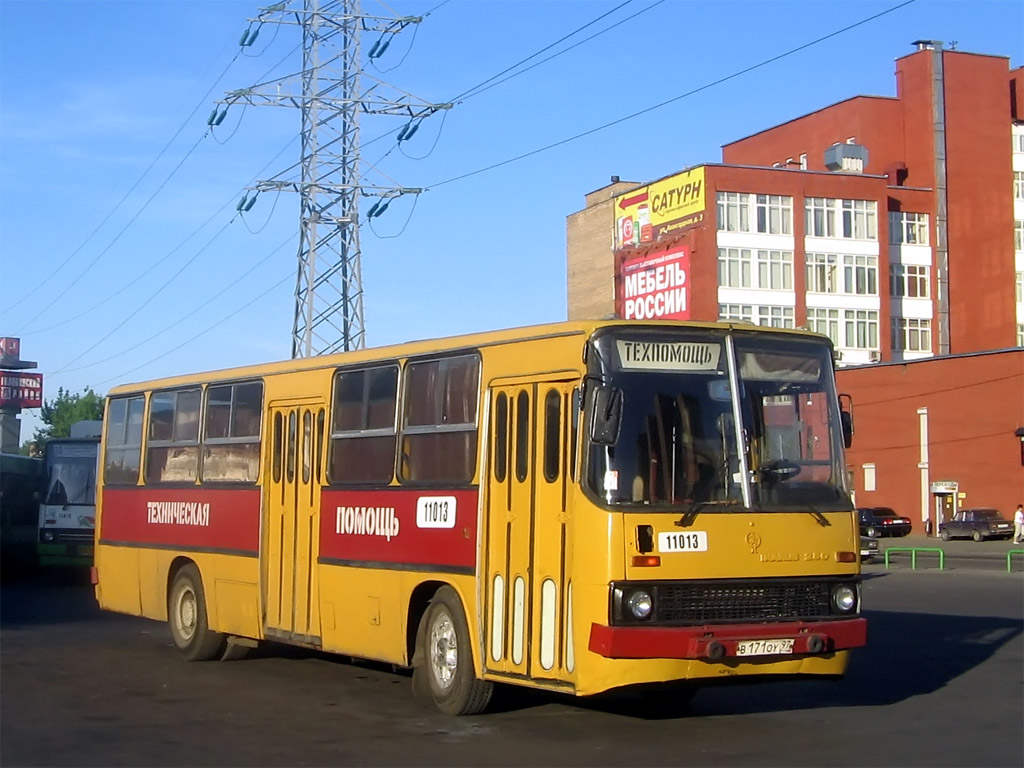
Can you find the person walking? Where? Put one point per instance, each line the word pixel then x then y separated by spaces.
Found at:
pixel 1018 525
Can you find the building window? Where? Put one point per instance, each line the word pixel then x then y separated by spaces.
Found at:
pixel 824 321
pixel 908 281
pixel 733 212
pixel 1019 287
pixel 775 270
pixel 803 162
pixel 869 477
pixel 1018 235
pixel 743 312
pixel 860 327
pixel 1018 185
pixel 821 214
pixel 1018 142
pixel 909 228
pixel 911 335
pixel 775 214
pixel 821 273
pixel 775 316
pixel 860 275
pixel 1020 335
pixel 734 267
pixel 860 219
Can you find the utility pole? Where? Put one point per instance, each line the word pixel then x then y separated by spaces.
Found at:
pixel 328 92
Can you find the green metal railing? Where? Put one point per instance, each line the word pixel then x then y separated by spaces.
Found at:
pixel 913 555
pixel 1009 555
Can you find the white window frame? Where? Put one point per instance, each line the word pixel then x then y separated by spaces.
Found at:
pixel 1018 185
pixel 824 320
pixel 860 329
pixel 858 268
pixel 860 219
pixel 822 272
pixel 909 281
pixel 911 334
pixel 774 214
pixel 735 267
pixel 775 270
pixel 734 212
pixel 908 228
pixel 821 217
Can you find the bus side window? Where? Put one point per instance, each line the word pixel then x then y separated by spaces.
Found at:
pixel 172 453
pixel 522 435
pixel 552 434
pixel 501 437
pixel 231 440
pixel 363 426
pixel 124 440
pixel 439 431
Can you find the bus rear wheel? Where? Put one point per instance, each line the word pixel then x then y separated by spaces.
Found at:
pixel 444 665
pixel 186 616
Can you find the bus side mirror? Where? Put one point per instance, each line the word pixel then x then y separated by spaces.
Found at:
pixel 604 427
pixel 846 418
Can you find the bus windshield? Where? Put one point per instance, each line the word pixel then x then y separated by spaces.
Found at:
pixel 71 474
pixel 681 440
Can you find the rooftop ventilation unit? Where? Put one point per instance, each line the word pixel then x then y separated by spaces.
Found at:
pixel 852 158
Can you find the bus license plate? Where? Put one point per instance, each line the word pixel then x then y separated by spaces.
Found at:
pixel 764 647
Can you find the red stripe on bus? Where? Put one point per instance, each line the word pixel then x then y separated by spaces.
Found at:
pixel 184 517
pixel 692 642
pixel 410 527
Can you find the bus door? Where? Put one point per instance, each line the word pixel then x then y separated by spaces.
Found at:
pixel 528 553
pixel 291 510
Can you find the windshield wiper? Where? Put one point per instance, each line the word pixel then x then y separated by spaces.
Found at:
pixel 691 514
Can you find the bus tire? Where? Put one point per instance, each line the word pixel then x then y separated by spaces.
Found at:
pixel 186 617
pixel 444 667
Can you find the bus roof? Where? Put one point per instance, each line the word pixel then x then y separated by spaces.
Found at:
pixel 449 343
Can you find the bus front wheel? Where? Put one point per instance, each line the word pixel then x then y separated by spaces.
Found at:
pixel 444 665
pixel 186 616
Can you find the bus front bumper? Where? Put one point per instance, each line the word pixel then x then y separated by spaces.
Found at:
pixel 717 642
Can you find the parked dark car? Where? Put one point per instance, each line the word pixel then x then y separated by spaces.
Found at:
pixel 882 521
pixel 868 548
pixel 978 523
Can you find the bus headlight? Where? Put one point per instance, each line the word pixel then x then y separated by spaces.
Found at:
pixel 844 598
pixel 47 535
pixel 640 604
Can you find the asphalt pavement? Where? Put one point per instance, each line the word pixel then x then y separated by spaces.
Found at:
pixel 957 554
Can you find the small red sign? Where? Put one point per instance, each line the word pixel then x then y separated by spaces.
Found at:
pixel 21 390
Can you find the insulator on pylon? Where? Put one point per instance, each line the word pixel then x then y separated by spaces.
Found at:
pixel 373 210
pixel 253 36
pixel 373 50
pixel 403 131
pixel 380 210
pixel 251 203
pixel 212 117
pixel 411 132
pixel 245 36
pixel 383 48
pixel 220 119
pixel 241 203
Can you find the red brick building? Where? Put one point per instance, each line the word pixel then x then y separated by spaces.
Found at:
pixel 895 225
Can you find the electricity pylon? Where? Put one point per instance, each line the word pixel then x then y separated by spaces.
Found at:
pixel 329 283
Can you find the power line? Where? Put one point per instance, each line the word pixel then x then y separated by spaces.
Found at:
pixel 674 99
pixel 126 195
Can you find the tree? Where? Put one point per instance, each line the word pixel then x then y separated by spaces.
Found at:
pixel 60 413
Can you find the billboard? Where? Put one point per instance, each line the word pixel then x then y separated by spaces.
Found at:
pixel 665 208
pixel 656 287
pixel 21 390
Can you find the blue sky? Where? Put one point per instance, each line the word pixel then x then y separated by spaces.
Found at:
pixel 121 257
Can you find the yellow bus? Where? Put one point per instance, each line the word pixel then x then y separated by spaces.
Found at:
pixel 574 507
